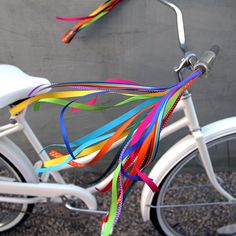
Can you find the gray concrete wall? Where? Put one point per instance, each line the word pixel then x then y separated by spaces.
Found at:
pixel 137 41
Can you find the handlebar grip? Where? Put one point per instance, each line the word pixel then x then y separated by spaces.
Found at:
pixel 215 49
pixel 207 59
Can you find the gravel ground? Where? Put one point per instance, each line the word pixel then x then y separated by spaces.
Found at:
pixel 54 219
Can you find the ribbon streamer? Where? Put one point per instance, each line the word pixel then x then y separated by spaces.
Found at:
pixel 86 21
pixel 139 128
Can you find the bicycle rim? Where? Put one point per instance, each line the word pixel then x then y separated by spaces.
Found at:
pixel 187 203
pixel 11 214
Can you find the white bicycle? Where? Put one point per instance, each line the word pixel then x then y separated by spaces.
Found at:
pixel 196 176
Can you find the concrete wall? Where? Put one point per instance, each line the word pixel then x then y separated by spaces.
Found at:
pixel 137 41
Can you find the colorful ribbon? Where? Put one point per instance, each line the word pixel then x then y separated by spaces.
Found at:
pixel 86 21
pixel 140 128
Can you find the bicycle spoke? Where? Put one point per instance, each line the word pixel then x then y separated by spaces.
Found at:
pixel 193 205
pixel 188 204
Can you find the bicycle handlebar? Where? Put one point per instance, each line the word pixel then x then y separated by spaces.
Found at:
pixel 207 59
pixel 215 49
pixel 180 24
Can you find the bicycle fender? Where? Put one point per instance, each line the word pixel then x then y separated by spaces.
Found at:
pixel 16 156
pixel 177 153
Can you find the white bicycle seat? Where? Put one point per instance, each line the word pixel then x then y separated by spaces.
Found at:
pixel 16 85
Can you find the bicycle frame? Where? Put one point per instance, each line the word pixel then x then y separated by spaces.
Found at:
pixel 60 188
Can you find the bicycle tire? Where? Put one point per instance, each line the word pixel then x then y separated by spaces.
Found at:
pixel 12 214
pixel 180 188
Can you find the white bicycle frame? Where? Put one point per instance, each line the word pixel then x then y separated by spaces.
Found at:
pixel 42 191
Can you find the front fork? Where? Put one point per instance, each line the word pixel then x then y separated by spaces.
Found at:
pixel 204 156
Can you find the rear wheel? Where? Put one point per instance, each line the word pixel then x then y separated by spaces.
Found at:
pixel 187 204
pixel 11 214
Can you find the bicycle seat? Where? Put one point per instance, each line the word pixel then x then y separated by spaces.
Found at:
pixel 16 85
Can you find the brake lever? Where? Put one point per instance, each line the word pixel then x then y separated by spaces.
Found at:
pixel 190 59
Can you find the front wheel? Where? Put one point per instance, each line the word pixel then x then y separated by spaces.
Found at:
pixel 11 214
pixel 187 203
